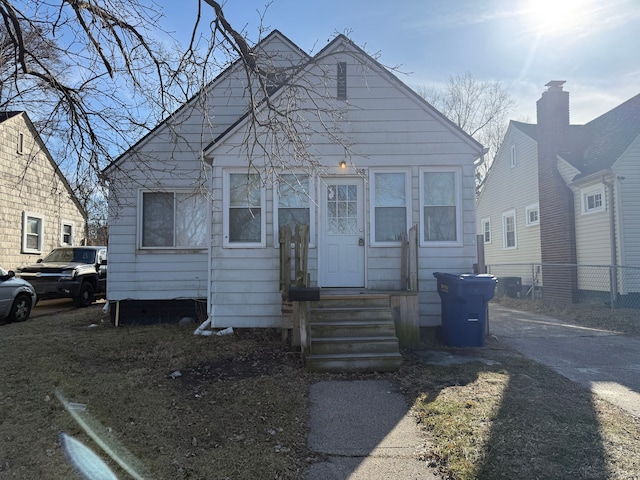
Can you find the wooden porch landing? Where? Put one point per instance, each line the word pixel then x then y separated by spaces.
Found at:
pixel 354 329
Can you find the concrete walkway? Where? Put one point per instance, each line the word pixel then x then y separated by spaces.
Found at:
pixel 606 362
pixel 365 433
pixel 363 429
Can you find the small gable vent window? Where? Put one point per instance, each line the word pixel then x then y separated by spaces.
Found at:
pixel 514 159
pixel 342 81
pixel 20 146
pixel 275 80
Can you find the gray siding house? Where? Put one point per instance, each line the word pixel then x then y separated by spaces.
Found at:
pixel 196 204
pixel 38 210
pixel 562 194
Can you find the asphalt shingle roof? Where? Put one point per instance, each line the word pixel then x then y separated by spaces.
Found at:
pixel 596 145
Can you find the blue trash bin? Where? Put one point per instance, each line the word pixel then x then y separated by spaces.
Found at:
pixel 463 300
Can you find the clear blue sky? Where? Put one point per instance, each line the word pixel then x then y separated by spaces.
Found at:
pixel 592 44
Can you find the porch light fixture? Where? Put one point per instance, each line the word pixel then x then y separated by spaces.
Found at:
pixel 343 164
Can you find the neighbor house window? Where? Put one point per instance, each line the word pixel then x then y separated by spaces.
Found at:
pixel 174 220
pixel 592 199
pixel 486 230
pixel 342 81
pixel 509 229
pixel 294 200
pixel 513 156
pixel 32 232
pixel 20 146
pixel 66 233
pixel 533 214
pixel 389 196
pixel 440 199
pixel 244 219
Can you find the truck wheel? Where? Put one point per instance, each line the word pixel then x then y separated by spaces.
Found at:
pixel 85 297
pixel 21 309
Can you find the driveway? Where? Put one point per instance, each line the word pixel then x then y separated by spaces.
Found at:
pixel 606 362
pixel 56 305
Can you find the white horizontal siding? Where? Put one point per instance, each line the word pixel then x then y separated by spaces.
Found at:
pixel 508 189
pixel 593 239
pixel 385 125
pixel 627 183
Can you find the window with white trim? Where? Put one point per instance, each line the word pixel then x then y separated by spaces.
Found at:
pixel 389 197
pixel 440 200
pixel 175 219
pixel 243 217
pixel 66 233
pixel 514 159
pixel 509 229
pixel 532 213
pixel 592 199
pixel 32 232
pixel 486 229
pixel 295 205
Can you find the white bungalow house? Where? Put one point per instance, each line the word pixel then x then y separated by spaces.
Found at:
pixel 196 204
pixel 560 206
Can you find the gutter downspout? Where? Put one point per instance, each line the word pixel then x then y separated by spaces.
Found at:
pixel 613 276
pixel 209 321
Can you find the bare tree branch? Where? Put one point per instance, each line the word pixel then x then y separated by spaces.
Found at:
pixel 480 108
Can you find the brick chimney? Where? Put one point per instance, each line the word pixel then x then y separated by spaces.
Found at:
pixel 557 225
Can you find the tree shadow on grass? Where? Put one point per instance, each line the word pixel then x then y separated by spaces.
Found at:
pixel 537 424
pixel 546 427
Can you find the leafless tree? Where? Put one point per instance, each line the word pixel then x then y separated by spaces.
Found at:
pixel 100 77
pixel 480 108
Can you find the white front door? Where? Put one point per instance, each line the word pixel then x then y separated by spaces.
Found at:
pixel 342 232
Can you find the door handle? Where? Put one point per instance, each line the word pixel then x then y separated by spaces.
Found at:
pixel 361 242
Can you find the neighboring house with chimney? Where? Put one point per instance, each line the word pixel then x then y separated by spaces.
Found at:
pixel 38 210
pixel 560 206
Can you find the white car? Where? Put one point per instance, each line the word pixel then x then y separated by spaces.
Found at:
pixel 17 297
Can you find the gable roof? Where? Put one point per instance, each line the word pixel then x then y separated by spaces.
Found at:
pixel 595 146
pixel 335 43
pixel 529 129
pixel 271 36
pixel 45 150
pixel 610 135
pixel 7 115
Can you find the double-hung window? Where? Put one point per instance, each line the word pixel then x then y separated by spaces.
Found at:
pixel 486 230
pixel 174 220
pixel 440 200
pixel 294 200
pixel 66 233
pixel 389 196
pixel 32 232
pixel 244 219
pixel 509 229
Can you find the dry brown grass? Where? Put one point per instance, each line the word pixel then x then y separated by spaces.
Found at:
pixel 624 320
pixel 240 408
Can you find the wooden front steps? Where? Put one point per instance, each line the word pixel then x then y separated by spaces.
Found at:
pixel 352 332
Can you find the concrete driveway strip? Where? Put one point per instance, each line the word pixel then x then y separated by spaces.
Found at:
pixel 364 430
pixel 606 362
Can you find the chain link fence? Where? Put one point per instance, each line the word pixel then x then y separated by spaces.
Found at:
pixel 615 286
